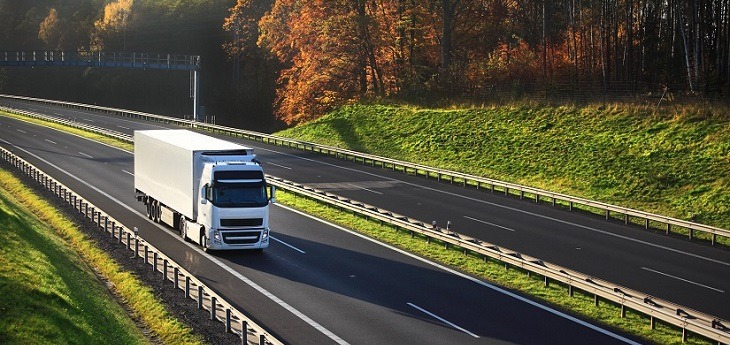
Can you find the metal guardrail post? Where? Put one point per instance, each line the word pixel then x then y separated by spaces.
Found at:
pixel 212 307
pixel 200 297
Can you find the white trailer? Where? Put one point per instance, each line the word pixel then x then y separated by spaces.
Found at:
pixel 211 190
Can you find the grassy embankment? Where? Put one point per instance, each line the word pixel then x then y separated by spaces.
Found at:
pixel 671 164
pixel 49 292
pixel 673 161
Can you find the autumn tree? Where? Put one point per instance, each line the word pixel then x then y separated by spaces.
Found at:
pixel 330 54
pixel 50 30
pixel 111 29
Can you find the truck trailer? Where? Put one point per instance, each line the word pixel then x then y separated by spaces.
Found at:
pixel 212 191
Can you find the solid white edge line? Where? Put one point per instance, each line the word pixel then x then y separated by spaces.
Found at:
pixel 442 319
pixel 51 141
pixel 127 172
pixel 475 280
pixel 288 245
pixel 682 279
pixel 230 270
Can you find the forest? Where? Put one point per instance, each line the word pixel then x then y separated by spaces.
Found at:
pixel 270 63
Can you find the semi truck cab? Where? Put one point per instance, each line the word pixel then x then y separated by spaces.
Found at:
pixel 233 210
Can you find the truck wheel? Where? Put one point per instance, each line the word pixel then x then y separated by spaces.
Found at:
pixel 149 209
pixel 156 211
pixel 183 228
pixel 204 243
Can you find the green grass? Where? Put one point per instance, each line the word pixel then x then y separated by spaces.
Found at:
pixel 48 291
pixel 673 161
pixel 555 294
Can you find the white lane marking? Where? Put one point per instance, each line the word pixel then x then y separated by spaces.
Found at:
pixel 488 223
pixel 86 155
pixel 366 189
pixel 682 279
pixel 277 165
pixel 442 320
pixel 122 127
pixel 87 120
pixel 21 131
pixel 288 245
pixel 220 264
pixel 127 172
pixel 475 280
pixel 51 141
pixel 50 108
pixel 510 208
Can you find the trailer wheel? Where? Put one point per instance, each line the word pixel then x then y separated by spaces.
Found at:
pixel 156 211
pixel 148 203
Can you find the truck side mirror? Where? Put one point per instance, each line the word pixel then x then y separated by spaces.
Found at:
pixel 272 197
pixel 204 195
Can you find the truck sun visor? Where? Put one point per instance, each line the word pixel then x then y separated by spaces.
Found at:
pixel 238 175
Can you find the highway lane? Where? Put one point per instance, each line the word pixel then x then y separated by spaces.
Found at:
pixel 359 291
pixel 685 272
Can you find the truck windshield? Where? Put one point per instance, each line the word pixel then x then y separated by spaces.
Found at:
pixel 239 194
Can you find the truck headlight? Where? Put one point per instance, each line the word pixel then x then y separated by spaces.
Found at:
pixel 216 236
pixel 265 234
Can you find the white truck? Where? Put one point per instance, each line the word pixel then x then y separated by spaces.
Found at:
pixel 211 190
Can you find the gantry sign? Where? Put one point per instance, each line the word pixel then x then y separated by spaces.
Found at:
pixel 101 59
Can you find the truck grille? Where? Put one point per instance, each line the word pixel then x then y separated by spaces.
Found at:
pixel 241 236
pixel 233 222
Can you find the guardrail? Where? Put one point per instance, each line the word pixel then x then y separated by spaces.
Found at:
pixel 234 320
pixel 70 123
pixel 687 319
pixel 629 215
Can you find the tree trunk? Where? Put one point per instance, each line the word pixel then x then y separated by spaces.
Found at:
pixel 544 45
pixel 683 32
pixel 447 32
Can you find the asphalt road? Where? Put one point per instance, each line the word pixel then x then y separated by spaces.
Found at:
pixel 330 286
pixel 688 273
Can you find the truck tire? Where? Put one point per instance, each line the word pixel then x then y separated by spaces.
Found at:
pixel 183 228
pixel 149 208
pixel 156 209
pixel 204 243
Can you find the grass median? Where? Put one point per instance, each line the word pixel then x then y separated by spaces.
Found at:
pixel 49 291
